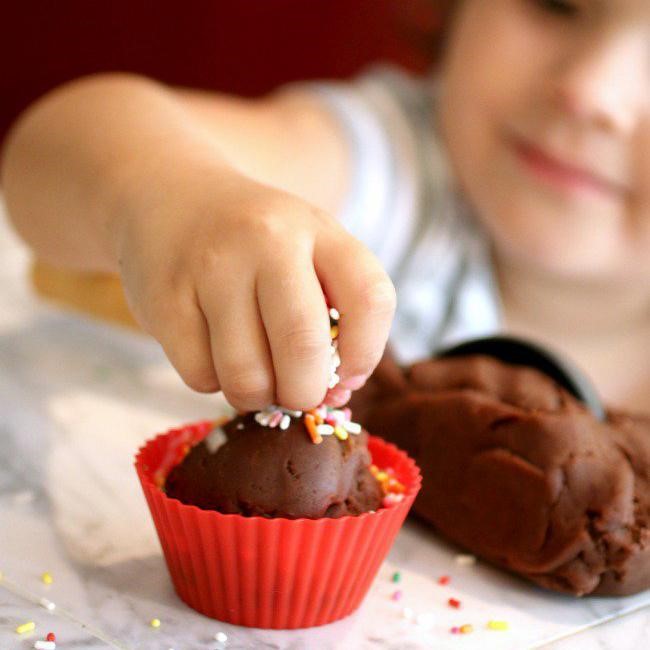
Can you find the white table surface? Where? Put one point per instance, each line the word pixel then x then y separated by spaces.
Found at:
pixel 77 398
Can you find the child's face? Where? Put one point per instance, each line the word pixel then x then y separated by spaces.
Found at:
pixel 546 113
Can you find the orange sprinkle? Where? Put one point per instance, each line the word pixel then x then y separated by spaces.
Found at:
pixel 466 629
pixel 310 423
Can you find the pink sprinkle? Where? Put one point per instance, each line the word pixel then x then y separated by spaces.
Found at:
pixel 455 630
pixel 397 595
pixel 347 413
pixel 275 419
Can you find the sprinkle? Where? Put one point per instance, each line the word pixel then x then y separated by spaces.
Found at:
pixel 352 427
pixel 465 560
pixel 325 429
pixel 455 630
pixel 347 413
pixel 397 595
pixel 340 432
pixel 407 613
pixel 310 423
pixel 498 625
pixel 240 426
pixel 424 618
pixel 391 500
pixel 334 379
pixel 262 418
pixel 47 578
pixel 454 602
pixel 45 645
pixel 48 604
pixel 444 580
pixel 466 629
pixel 285 421
pixel 334 313
pixel 30 626
pixel 334 331
pixel 396 577
pixel 275 419
pixel 155 622
pixel 50 636
pixel 221 637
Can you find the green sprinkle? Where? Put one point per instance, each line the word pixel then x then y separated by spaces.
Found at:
pixel 396 576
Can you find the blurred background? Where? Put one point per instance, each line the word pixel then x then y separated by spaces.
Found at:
pixel 245 47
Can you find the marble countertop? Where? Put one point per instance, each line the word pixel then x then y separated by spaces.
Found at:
pixel 77 399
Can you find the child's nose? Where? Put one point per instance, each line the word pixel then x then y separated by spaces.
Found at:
pixel 606 82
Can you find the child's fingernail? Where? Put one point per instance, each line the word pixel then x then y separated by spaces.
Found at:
pixel 337 396
pixel 352 383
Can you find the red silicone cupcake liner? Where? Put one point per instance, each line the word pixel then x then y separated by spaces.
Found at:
pixel 269 573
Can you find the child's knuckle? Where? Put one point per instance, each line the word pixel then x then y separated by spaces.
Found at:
pixel 248 387
pixel 303 342
pixel 377 296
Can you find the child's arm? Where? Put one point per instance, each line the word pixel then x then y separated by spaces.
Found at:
pixel 199 203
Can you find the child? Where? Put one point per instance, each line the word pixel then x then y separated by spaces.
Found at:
pixel 510 192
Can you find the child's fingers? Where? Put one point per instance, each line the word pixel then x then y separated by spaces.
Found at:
pixel 238 342
pixel 295 317
pixel 337 396
pixel 183 334
pixel 359 288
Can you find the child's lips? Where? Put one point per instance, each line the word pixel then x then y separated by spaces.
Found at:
pixel 564 176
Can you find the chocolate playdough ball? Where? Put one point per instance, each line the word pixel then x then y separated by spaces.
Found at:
pixel 517 471
pixel 249 469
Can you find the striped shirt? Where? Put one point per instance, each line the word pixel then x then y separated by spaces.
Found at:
pixel 402 204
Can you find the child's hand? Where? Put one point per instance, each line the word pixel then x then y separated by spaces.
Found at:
pixel 229 275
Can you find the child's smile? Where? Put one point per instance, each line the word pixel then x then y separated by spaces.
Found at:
pixel 546 116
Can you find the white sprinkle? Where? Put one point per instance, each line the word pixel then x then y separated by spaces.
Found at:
pixel 407 613
pixel 240 426
pixel 293 414
pixel 336 360
pixel 334 379
pixel 465 560
pixel 48 604
pixel 45 645
pixel 352 427
pixel 262 418
pixel 285 421
pixel 215 439
pixel 334 313
pixel 325 429
pixel 221 637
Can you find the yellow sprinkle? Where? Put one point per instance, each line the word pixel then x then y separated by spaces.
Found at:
pixel 334 331
pixel 466 629
pixel 381 476
pixel 26 627
pixel 47 578
pixel 498 625
pixel 340 433
pixel 155 622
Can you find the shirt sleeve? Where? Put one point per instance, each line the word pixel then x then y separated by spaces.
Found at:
pixel 381 206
